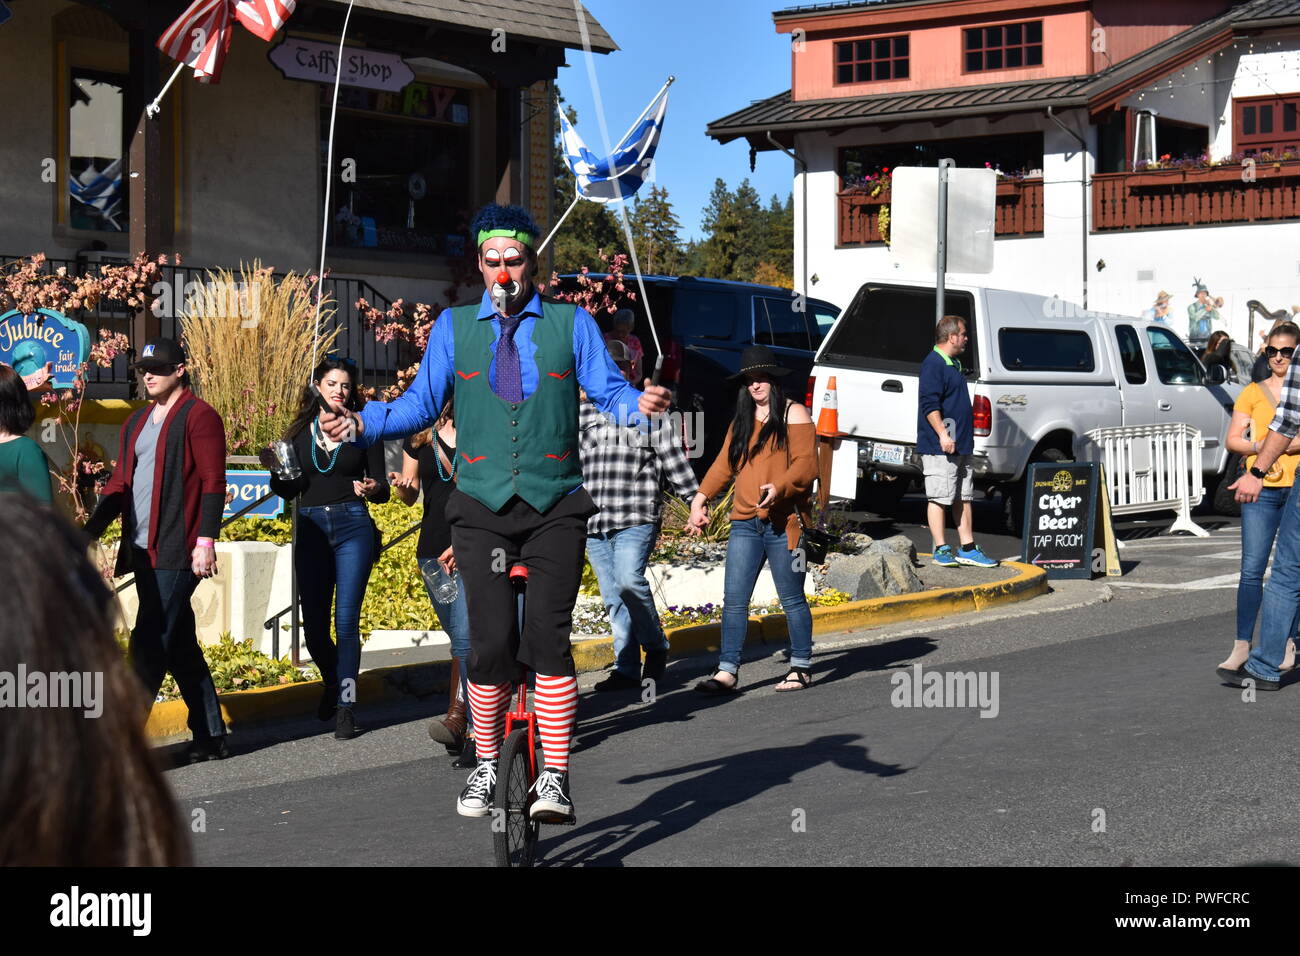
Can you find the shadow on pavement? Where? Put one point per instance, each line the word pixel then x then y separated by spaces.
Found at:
pixel 718 784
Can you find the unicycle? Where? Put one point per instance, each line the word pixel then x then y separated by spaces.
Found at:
pixel 514 834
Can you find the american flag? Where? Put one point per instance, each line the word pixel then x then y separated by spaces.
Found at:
pixel 200 37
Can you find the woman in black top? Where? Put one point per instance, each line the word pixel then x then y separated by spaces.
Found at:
pixel 338 542
pixel 429 464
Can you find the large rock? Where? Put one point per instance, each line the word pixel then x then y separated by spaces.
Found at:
pixel 875 574
pixel 898 544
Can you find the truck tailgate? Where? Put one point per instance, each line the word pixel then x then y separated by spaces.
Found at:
pixel 875 405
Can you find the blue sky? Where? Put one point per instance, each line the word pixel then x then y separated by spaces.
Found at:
pixel 724 53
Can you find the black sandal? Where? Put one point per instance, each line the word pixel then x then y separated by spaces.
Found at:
pixel 714 686
pixel 797 675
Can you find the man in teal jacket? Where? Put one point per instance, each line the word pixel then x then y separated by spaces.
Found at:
pixel 514 362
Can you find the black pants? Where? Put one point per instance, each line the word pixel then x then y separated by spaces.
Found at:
pixel 487 544
pixel 164 639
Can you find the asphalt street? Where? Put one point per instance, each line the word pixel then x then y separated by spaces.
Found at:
pixel 1109 742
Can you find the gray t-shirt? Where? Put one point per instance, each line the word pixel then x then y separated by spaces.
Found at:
pixel 146 448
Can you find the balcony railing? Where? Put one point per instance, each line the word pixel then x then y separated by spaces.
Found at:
pixel 1163 198
pixel 1019 212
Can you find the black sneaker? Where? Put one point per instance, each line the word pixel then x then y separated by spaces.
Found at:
pixel 552 803
pixel 345 725
pixel 476 799
pixel 616 680
pixel 655 663
pixel 207 748
pixel 1238 678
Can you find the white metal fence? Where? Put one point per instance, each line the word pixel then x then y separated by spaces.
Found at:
pixel 1153 468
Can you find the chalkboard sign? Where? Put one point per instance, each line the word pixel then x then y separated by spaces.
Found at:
pixel 1061 516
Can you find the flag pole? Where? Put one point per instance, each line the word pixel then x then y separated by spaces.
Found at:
pixel 576 199
pixel 645 112
pixel 153 108
pixel 329 169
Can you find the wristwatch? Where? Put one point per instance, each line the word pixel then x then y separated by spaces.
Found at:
pixel 1261 475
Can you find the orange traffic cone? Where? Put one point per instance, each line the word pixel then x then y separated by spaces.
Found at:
pixel 828 420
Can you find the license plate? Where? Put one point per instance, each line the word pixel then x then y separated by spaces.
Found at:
pixel 888 454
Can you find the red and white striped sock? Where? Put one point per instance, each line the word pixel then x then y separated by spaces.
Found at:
pixel 556 703
pixel 487 705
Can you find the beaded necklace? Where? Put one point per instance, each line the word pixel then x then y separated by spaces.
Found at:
pixel 455 462
pixel 315 447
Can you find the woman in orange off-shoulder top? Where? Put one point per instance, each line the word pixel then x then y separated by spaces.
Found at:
pixel 769 454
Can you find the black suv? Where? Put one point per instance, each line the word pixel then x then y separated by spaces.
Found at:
pixel 704 324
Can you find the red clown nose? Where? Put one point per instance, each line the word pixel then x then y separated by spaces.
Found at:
pixel 503 278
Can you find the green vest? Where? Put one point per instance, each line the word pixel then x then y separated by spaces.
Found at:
pixel 527 448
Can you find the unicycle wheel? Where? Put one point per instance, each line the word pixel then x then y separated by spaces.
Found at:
pixel 514 836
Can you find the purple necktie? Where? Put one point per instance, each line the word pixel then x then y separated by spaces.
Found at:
pixel 509 380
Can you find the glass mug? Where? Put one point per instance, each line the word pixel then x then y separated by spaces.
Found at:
pixel 281 458
pixel 445 587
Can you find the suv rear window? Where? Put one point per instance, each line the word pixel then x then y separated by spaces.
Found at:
pixel 776 323
pixel 705 315
pixel 892 329
pixel 1045 350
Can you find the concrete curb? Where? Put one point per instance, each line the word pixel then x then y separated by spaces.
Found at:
pixel 167 720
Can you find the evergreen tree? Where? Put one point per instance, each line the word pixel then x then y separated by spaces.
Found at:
pixel 654 228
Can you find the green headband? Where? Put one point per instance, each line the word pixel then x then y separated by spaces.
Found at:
pixel 527 238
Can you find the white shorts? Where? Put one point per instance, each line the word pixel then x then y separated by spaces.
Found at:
pixel 946 476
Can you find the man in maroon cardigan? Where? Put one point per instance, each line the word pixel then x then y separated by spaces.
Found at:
pixel 169 487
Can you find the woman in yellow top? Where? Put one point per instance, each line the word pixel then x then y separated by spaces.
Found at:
pixel 769 454
pixel 1254 409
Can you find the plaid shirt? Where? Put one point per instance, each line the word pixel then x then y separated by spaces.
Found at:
pixel 1287 420
pixel 623 470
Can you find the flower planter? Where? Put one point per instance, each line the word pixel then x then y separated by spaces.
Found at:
pixel 699 583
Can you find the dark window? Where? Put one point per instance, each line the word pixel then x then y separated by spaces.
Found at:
pixel 1266 124
pixel 892 329
pixel 704 315
pixel 1175 363
pixel 776 323
pixel 412 169
pixel 1041 350
pixel 1130 355
pixel 97 196
pixel 861 61
pixel 1008 46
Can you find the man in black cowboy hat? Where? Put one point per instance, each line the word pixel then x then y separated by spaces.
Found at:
pixel 515 362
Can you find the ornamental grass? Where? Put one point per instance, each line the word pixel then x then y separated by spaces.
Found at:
pixel 252 347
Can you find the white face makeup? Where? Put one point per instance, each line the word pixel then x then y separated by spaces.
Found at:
pixel 502 254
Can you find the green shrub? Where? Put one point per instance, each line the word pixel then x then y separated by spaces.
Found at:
pixel 238 665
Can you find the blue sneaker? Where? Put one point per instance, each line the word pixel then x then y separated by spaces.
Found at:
pixel 944 557
pixel 975 557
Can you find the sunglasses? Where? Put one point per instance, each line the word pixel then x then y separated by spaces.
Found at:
pixel 1286 353
pixel 158 370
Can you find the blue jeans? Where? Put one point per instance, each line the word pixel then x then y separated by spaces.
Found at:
pixel 750 543
pixel 1281 595
pixel 454 618
pixel 336 550
pixel 1259 522
pixel 619 559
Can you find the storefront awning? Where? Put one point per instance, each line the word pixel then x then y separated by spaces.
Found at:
pixel 551 22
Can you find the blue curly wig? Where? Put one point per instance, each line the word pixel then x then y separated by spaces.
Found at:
pixel 513 221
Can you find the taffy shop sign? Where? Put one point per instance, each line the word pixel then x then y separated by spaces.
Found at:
pixel 308 60
pixel 30 340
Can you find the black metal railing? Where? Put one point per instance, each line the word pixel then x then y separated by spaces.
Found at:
pixel 272 623
pixel 378 363
pixel 129 582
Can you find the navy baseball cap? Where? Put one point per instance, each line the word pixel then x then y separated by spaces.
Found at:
pixel 159 353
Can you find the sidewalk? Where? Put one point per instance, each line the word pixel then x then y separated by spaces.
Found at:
pixel 422 672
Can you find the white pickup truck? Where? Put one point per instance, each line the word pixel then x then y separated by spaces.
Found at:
pixel 1042 373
